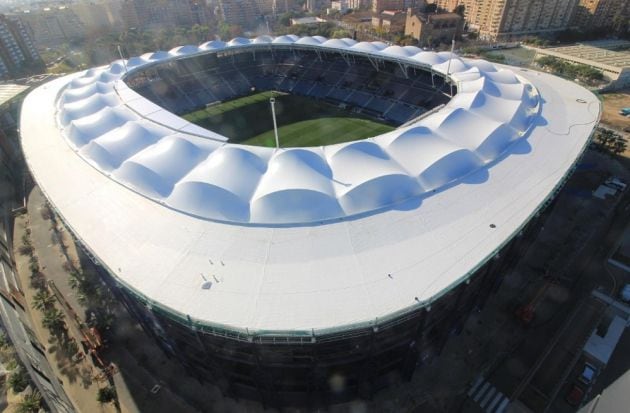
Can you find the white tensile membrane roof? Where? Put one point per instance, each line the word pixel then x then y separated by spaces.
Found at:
pixel 297 185
pixel 302 238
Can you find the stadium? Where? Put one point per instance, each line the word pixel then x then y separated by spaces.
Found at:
pixel 336 262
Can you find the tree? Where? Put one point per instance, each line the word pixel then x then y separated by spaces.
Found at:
pixel 53 320
pixel 285 19
pixel 619 145
pixel 18 380
pixel 549 61
pixel 31 403
pixel 43 300
pixel 340 34
pixel 106 395
pixel 200 33
pixel 431 8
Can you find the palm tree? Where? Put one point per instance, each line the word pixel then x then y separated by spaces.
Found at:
pixel 73 281
pixel 43 300
pixel 620 145
pixel 53 320
pixel 604 137
pixel 31 403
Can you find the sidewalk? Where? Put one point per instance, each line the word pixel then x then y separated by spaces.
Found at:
pixel 74 376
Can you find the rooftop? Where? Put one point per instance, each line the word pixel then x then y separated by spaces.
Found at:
pixel 306 275
pixel 9 91
pixel 598 53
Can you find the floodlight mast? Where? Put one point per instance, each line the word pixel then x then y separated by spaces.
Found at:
pixel 272 100
pixel 122 58
pixel 448 69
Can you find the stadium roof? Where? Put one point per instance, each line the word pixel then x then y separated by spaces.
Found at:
pixel 302 239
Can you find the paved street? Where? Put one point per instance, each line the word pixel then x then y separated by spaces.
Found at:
pixel 17 321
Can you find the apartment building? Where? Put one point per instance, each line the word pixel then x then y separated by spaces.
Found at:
pixel 17 51
pixel 594 14
pixel 163 13
pixel 505 19
pixel 52 26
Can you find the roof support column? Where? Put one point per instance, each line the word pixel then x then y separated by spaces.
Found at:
pixel 404 69
pixel 374 63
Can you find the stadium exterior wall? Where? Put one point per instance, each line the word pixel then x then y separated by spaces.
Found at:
pixel 319 368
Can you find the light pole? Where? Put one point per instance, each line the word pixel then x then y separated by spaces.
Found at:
pixel 448 69
pixel 122 58
pixel 272 101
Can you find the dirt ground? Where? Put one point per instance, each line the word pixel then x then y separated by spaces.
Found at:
pixel 613 102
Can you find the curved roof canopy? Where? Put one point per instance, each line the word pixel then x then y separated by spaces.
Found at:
pixel 304 240
pixel 482 120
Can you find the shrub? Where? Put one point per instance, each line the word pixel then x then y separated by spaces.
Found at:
pixel 34 267
pixel 46 214
pixel 38 280
pixel 25 249
pixel 106 395
pixel 31 403
pixel 18 380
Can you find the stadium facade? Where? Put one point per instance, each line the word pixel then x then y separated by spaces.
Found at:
pixel 305 275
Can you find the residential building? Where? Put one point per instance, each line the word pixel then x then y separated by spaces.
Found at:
pixel 379 6
pixel 595 14
pixel 504 19
pixel 239 12
pixel 17 50
pixel 163 13
pixel 358 4
pixel 95 16
pixel 315 6
pixel 429 28
pixel 52 26
pixel 390 21
pixel 448 5
pixel 341 5
pixel 129 14
pixel 273 7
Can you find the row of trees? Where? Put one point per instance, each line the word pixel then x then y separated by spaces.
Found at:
pixel 90 292
pixel 570 70
pixel 610 141
pixel 18 379
pixel 53 319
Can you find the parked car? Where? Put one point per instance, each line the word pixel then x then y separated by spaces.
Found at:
pixel 589 372
pixel 575 395
pixel 616 183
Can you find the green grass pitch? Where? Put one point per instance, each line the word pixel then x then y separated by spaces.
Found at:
pixel 301 121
